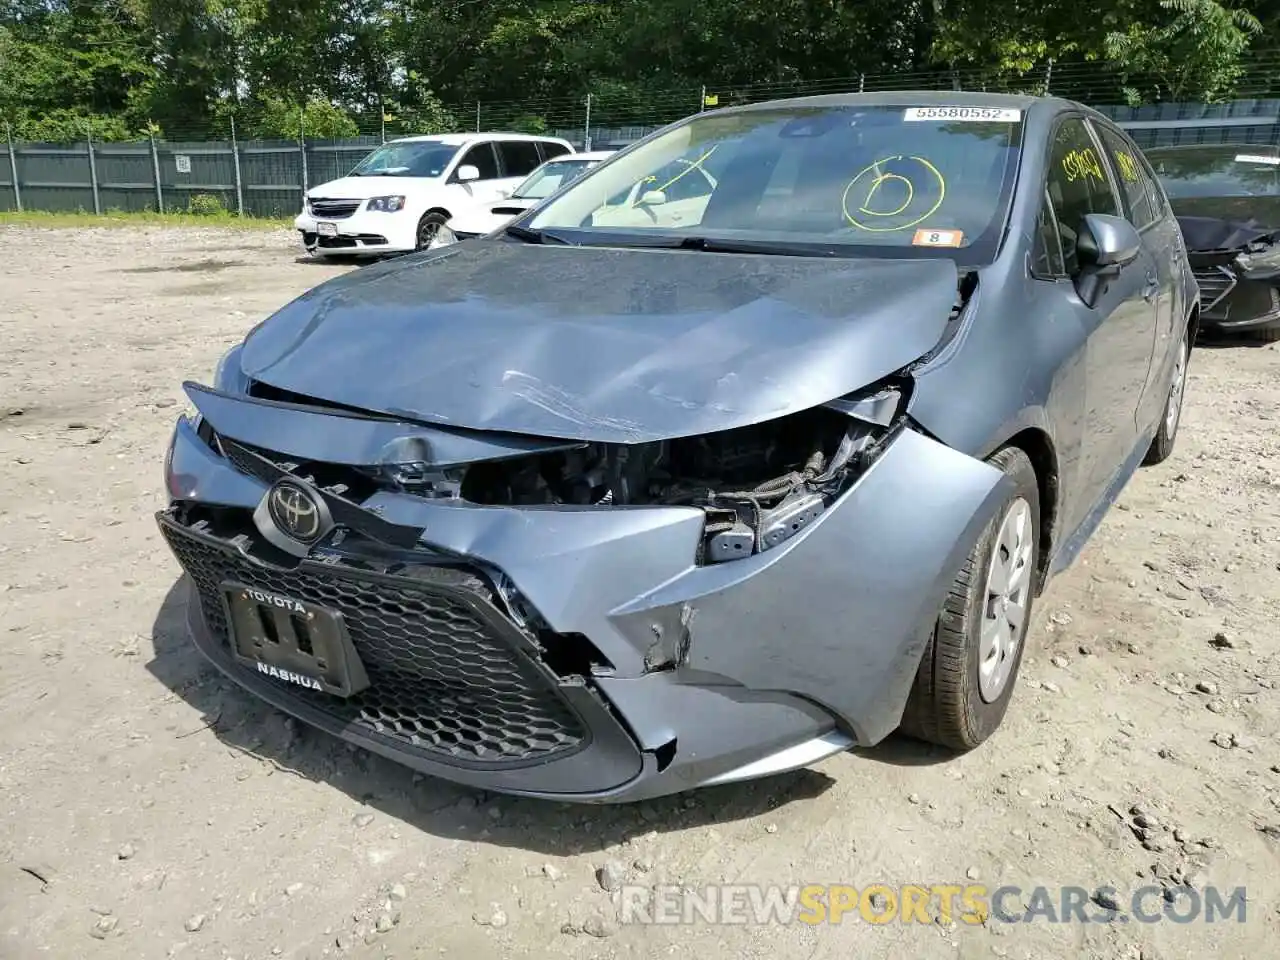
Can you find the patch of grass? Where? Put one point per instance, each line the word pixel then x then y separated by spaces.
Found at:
pixel 118 218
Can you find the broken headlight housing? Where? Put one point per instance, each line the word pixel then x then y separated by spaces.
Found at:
pixel 758 485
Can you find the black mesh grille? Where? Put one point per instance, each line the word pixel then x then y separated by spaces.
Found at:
pixel 442 682
pixel 333 209
pixel 1215 284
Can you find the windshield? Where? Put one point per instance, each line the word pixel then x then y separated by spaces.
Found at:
pixel 550 177
pixel 1235 172
pixel 418 158
pixel 866 180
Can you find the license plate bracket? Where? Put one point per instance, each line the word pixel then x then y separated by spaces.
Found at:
pixel 293 641
pixel 327 229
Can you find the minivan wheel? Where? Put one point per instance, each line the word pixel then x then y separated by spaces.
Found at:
pixel 969 668
pixel 428 227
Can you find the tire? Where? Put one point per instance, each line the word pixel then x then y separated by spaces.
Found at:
pixel 952 703
pixel 1267 335
pixel 1171 415
pixel 430 223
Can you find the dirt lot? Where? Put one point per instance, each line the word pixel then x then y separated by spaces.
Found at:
pixel 153 810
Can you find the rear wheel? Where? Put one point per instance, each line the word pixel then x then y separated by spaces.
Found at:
pixel 966 677
pixel 428 227
pixel 1167 433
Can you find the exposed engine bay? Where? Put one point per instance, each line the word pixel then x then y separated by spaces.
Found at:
pixel 759 485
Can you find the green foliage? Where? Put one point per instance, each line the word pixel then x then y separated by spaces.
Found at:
pixel 206 205
pixel 528 123
pixel 275 119
pixel 416 109
pixel 189 65
pixel 68 126
pixel 1194 53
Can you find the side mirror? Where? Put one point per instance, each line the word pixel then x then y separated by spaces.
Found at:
pixel 1107 243
pixel 652 198
pixel 467 172
pixel 1104 246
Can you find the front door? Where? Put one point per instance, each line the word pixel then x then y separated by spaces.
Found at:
pixel 1161 239
pixel 1118 329
pixel 487 188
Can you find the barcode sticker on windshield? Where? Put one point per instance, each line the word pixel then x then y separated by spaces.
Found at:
pixel 937 238
pixel 969 114
pixel 1256 158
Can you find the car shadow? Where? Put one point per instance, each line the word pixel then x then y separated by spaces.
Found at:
pixel 1223 342
pixel 335 260
pixel 281 745
pixel 900 750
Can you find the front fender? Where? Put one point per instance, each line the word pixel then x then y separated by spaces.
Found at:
pixel 840 614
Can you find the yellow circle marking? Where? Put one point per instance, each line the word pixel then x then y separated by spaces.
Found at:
pixel 880 178
pixel 875 185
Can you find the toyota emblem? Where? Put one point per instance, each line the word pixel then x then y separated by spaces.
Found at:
pixel 296 511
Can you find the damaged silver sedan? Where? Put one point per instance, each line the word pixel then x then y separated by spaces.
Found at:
pixel 755 443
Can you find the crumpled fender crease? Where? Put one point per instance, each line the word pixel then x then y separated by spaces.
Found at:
pixel 840 613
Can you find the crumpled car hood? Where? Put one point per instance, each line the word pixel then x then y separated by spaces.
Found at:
pixel 1216 234
pixel 599 344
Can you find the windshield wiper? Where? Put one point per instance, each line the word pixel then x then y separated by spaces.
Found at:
pixel 787 248
pixel 536 236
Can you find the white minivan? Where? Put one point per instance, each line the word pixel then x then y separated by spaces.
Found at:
pixel 398 197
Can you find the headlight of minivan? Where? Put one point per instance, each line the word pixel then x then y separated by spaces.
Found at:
pixel 386 204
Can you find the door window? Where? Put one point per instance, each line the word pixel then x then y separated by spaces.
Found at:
pixel 1078 184
pixel 1128 167
pixel 1046 252
pixel 482 157
pixel 1159 202
pixel 552 149
pixel 519 157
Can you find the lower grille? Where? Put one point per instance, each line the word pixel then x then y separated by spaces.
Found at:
pixel 1215 284
pixel 351 240
pixel 333 209
pixel 444 682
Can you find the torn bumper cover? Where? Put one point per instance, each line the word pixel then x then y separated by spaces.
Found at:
pixel 594 652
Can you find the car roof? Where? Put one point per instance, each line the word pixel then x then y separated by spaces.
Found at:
pixel 460 139
pixel 922 98
pixel 895 98
pixel 583 155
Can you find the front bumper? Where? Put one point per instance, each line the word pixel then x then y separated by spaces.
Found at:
pixel 781 658
pixel 1232 303
pixel 360 233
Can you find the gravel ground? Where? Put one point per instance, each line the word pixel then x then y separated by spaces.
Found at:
pixel 153 810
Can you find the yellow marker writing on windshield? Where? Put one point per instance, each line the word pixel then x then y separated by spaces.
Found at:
pixel 695 165
pixel 872 186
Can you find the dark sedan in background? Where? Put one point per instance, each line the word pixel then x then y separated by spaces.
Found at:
pixel 1227 200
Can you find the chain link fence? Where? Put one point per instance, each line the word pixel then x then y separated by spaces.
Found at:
pixel 225 164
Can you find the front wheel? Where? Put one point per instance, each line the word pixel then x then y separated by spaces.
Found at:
pixel 428 227
pixel 1171 416
pixel 966 677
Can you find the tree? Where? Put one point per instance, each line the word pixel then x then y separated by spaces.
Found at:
pixel 1197 54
